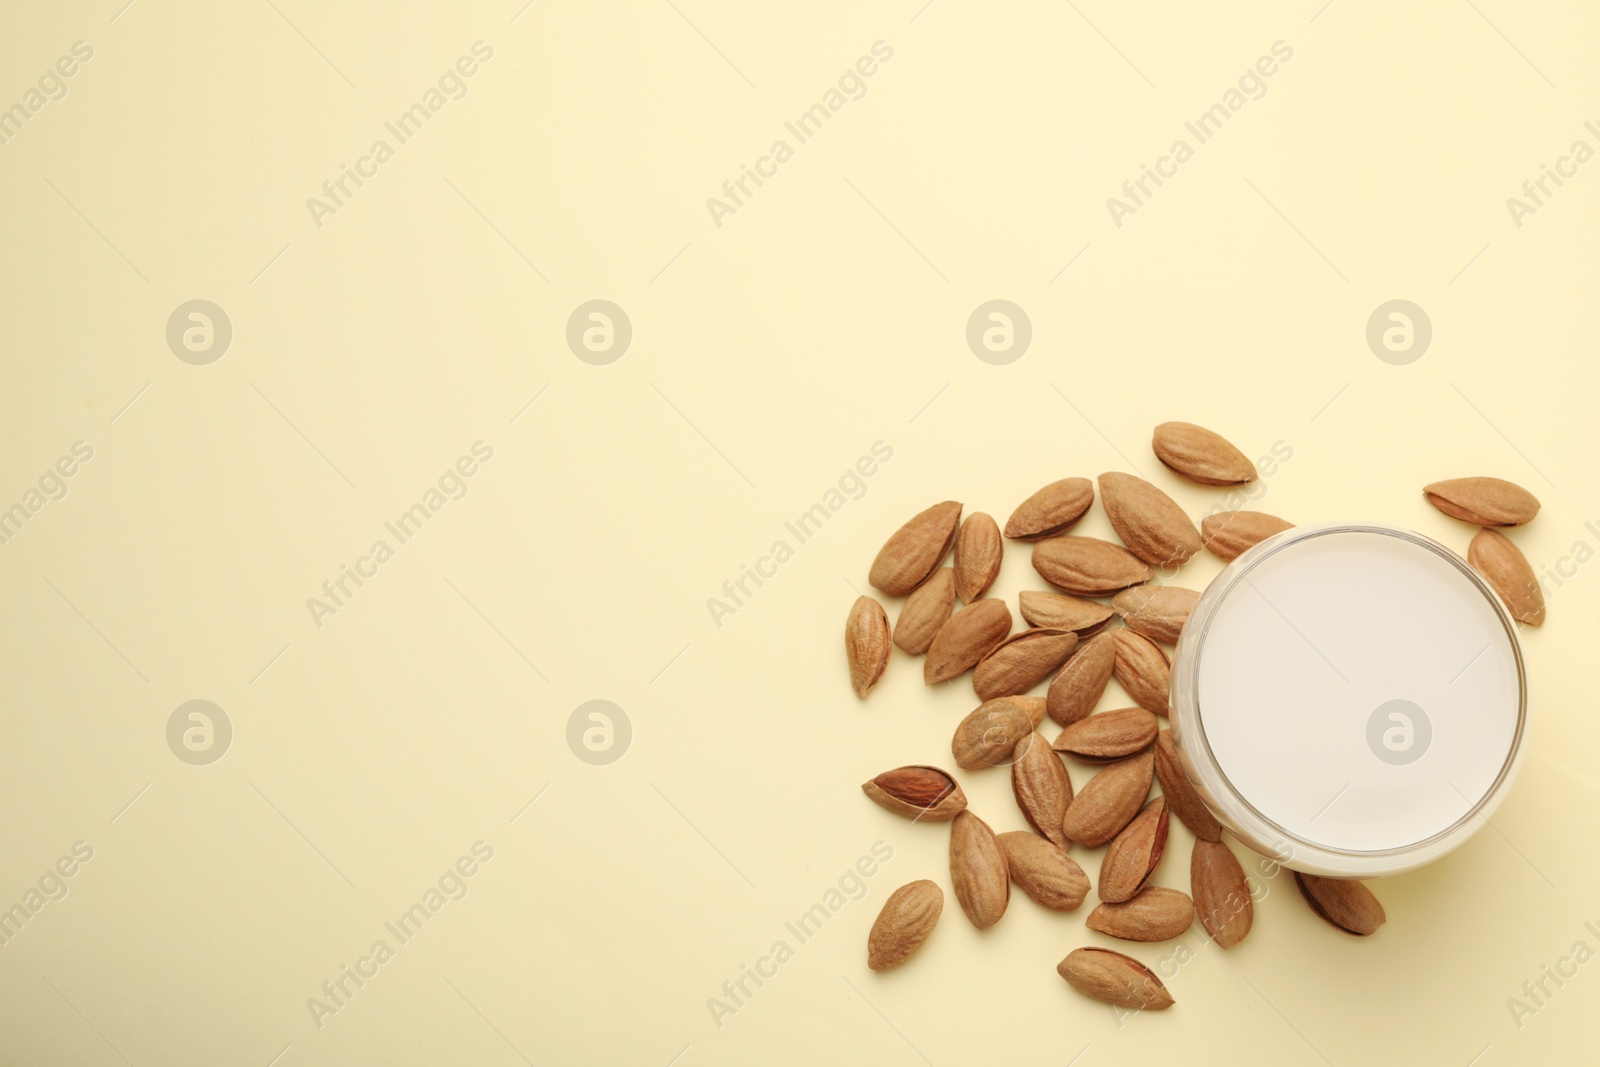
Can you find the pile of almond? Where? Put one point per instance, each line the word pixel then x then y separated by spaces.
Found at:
pixel 1069 641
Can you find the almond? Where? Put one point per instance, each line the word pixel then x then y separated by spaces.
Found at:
pixel 1108 735
pixel 1109 802
pixel 907 918
pixel 1058 611
pixel 1221 894
pixel 1201 455
pixel 1021 662
pixel 1345 903
pixel 978 870
pixel 1182 797
pixel 1156 611
pixel 1228 533
pixel 926 609
pixel 866 644
pixel 1505 568
pixel 988 736
pixel 1134 854
pixel 1088 566
pixel 1078 686
pixel 1143 670
pixel 1149 521
pixel 1043 789
pixel 1485 501
pixel 1114 978
pixel 1155 913
pixel 1044 871
pixel 1051 510
pixel 919 793
pixel 978 552
pixel 915 550
pixel 965 639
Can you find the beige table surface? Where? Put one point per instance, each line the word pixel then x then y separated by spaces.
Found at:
pixel 379 337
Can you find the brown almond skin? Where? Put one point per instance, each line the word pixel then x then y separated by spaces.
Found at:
pixel 1158 612
pixel 1051 510
pixel 1484 501
pixel 1221 894
pixel 866 644
pixel 925 611
pixel 1134 854
pixel 1044 871
pixel 1114 978
pixel 1058 611
pixel 1088 566
pixel 1149 521
pixel 907 918
pixel 1201 455
pixel 1182 797
pixel 978 870
pixel 1228 534
pixel 1344 903
pixel 923 794
pixel 988 735
pixel 915 550
pixel 1021 662
pixel 1155 913
pixel 1143 670
pixel 1078 686
pixel 1108 735
pixel 1101 809
pixel 978 553
pixel 1042 787
pixel 1505 568
pixel 968 636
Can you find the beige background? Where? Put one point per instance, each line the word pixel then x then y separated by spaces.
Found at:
pixel 768 354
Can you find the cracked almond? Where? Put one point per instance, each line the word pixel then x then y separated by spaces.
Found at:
pixel 924 794
pixel 1134 854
